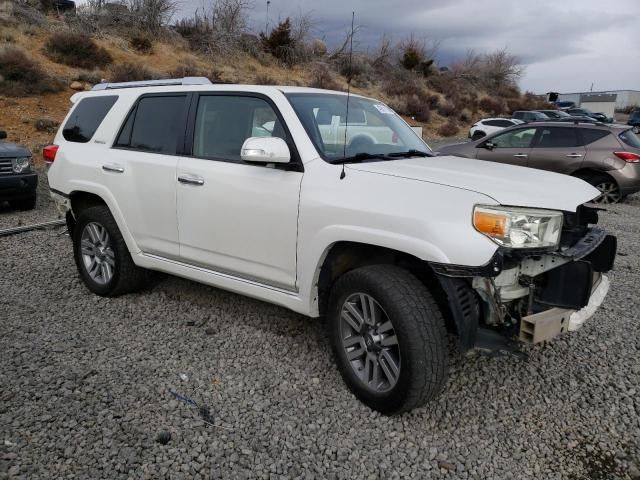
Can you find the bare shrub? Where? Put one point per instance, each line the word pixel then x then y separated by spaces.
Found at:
pixel 448 129
pixel 218 29
pixel 264 79
pixel 465 115
pixel 322 77
pixel 492 106
pixel 130 72
pixel 152 15
pixel 21 75
pixel 187 68
pixel 141 43
pixel 447 108
pixel 417 108
pixel 318 48
pixel 76 50
pixel 92 77
pixel 414 56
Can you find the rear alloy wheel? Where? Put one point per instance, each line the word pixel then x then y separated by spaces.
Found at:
pixel 388 338
pixel 101 255
pixel 609 191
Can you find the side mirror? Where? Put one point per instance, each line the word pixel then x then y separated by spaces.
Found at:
pixel 488 145
pixel 265 150
pixel 3 134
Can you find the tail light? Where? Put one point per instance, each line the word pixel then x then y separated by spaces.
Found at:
pixel 49 153
pixel 628 156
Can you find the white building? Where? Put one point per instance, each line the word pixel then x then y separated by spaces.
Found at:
pixel 623 98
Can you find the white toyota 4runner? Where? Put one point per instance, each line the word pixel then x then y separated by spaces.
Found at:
pixel 270 192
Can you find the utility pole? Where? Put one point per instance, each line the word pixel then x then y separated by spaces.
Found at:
pixel 266 23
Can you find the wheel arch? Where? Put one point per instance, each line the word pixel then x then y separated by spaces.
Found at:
pixel 82 199
pixel 344 256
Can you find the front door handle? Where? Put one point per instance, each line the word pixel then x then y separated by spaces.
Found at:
pixel 110 167
pixel 191 180
pixel 574 155
pixel 521 155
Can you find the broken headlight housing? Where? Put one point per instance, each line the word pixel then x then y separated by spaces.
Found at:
pixel 514 227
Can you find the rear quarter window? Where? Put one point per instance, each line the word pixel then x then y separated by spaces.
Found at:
pixel 86 117
pixel 591 135
pixel 629 138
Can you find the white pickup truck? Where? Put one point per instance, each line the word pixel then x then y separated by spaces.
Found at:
pixel 278 194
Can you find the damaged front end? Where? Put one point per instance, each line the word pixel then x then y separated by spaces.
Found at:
pixel 532 294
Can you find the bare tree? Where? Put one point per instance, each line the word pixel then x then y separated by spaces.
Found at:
pixel 153 15
pixel 384 51
pixel 501 69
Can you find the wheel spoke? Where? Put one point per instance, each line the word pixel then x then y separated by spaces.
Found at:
pixel 368 309
pixel 376 374
pixel 389 367
pixel 352 316
pixel 389 341
pixel 86 247
pixel 385 327
pixel 356 353
pixel 352 340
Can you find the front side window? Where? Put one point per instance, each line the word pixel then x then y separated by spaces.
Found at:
pixel 154 125
pixel 224 122
pixel 557 137
pixel 520 138
pixel 87 117
pixel 370 127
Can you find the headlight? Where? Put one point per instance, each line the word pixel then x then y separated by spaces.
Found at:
pixel 22 164
pixel 519 227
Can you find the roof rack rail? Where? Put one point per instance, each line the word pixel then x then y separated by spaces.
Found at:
pixel 153 83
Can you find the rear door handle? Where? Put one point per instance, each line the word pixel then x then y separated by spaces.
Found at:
pixel 574 155
pixel 110 167
pixel 191 179
pixel 521 155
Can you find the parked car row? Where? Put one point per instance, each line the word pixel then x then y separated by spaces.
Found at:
pixel 606 156
pixel 18 178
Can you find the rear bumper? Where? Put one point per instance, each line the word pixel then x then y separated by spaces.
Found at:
pixel 18 186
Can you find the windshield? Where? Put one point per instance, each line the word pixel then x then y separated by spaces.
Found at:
pixel 372 128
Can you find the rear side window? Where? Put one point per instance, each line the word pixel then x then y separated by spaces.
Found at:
pixel 630 138
pixel 557 137
pixel 87 117
pixel 590 135
pixel 154 125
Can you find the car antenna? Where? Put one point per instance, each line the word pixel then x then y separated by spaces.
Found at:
pixel 346 120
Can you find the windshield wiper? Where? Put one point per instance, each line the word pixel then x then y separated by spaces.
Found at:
pixel 410 153
pixel 361 156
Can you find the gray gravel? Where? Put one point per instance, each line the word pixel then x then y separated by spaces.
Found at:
pixel 87 380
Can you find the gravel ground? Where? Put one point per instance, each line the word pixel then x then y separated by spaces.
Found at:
pixel 87 385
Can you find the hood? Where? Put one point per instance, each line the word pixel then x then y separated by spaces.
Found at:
pixel 12 150
pixel 506 184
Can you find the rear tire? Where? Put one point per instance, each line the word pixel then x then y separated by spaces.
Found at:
pixel 101 255
pixel 388 337
pixel 24 204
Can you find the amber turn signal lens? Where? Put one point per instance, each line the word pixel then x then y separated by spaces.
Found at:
pixel 491 224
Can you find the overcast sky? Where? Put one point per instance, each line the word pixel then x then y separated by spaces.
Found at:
pixel 566 45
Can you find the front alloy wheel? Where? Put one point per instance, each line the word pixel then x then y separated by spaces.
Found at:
pixel 388 337
pixel 370 342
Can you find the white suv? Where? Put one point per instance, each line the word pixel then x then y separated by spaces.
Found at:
pixel 270 192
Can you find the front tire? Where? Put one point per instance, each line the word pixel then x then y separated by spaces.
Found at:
pixel 101 255
pixel 388 337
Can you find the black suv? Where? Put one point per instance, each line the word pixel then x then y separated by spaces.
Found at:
pixel 18 178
